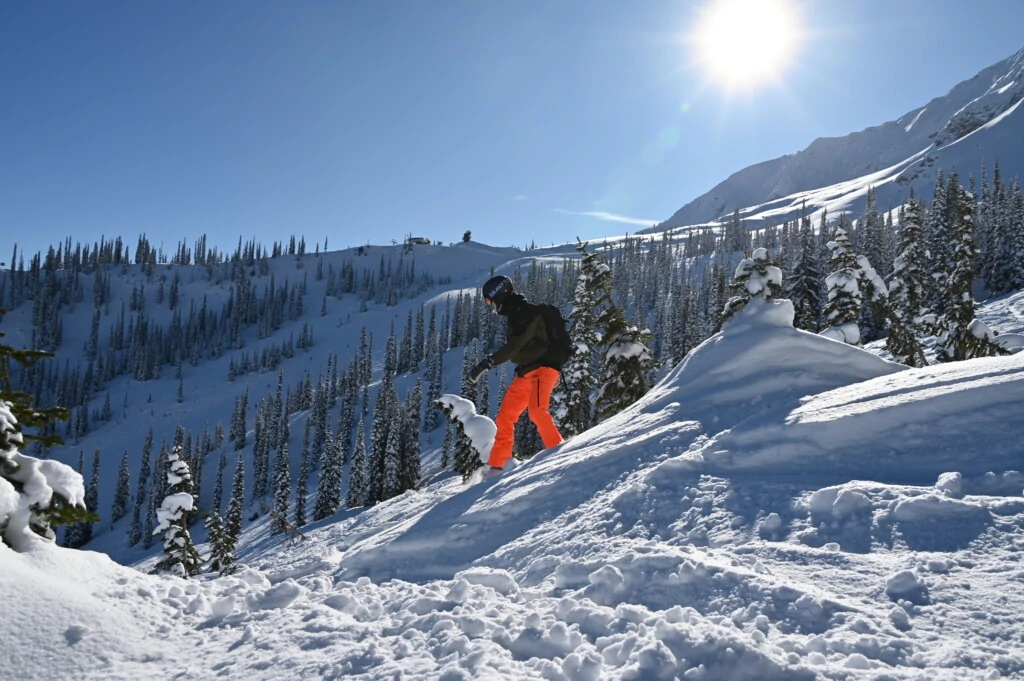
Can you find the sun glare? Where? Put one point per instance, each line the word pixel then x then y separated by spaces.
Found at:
pixel 743 44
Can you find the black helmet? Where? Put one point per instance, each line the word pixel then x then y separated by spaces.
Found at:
pixel 496 289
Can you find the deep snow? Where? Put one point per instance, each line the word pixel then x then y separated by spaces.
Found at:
pixel 780 506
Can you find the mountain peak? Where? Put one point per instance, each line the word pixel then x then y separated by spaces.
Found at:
pixel 978 121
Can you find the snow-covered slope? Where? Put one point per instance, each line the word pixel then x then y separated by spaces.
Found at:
pixel 761 514
pixel 979 120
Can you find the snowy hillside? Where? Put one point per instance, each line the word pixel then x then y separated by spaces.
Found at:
pixel 780 506
pixel 978 121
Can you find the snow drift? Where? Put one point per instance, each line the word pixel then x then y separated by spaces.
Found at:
pixel 742 521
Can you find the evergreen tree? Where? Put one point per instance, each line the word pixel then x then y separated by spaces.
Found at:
pixel 391 487
pixel 302 485
pixel 626 361
pixel 328 490
pixel 380 433
pixel 23 414
pixel 319 422
pixel 755 277
pixel 237 433
pixel 122 492
pixel 805 285
pixel 357 474
pixel 875 236
pixel 233 519
pixel 282 483
pixel 434 371
pixel 43 496
pixel 222 546
pixel 182 558
pixel 1005 257
pixel 466 459
pixel 573 398
pixel 448 447
pixel 467 386
pixel 74 535
pixel 218 486
pixel 135 531
pixel 92 497
pixel 937 228
pixel 261 452
pixel 157 491
pixel 960 335
pixel 876 293
pixel 347 416
pixel 844 295
pixel 908 287
pixel 409 461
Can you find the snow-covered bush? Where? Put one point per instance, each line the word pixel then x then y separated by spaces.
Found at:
pixel 35 494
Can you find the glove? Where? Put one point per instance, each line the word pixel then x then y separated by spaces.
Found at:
pixel 481 368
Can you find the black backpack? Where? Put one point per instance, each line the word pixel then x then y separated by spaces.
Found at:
pixel 559 343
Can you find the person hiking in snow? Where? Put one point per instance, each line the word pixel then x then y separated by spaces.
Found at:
pixel 537 372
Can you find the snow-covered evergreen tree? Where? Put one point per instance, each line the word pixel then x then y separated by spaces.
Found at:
pixel 302 484
pixel 236 504
pixel 382 430
pixel 261 450
pixel 35 495
pixel 938 220
pixel 391 486
pixel 844 295
pixel 626 360
pixel 876 293
pixel 755 277
pixel 805 285
pixel 434 373
pixel 141 497
pixel 328 490
pixel 908 287
pixel 92 497
pixel 1003 256
pixel 182 558
pixel 122 491
pixel 409 461
pixel 29 512
pixel 282 482
pixel 467 386
pixel 572 400
pixel 356 496
pixel 222 546
pixel 447 447
pixel 960 335
pixel 237 433
pixel 218 486
pixel 466 458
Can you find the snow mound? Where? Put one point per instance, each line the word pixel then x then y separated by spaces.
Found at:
pixel 911 426
pixel 728 378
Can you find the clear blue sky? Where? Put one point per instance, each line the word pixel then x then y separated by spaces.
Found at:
pixel 365 121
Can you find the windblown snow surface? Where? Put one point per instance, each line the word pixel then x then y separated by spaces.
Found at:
pixel 780 506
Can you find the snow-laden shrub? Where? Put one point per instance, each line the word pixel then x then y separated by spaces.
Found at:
pixel 35 494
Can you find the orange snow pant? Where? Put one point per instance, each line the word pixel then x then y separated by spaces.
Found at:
pixel 533 392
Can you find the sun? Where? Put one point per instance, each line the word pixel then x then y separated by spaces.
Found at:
pixel 743 44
